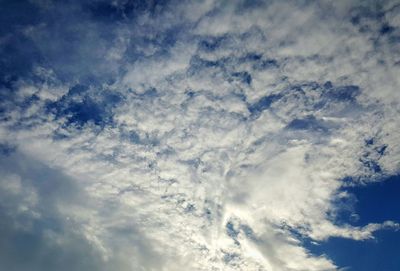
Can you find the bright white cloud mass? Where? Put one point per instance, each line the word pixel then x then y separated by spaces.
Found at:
pixel 192 135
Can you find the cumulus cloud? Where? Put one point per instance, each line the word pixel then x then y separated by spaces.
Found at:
pixel 193 135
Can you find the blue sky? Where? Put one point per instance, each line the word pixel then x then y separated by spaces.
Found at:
pixel 373 203
pixel 199 135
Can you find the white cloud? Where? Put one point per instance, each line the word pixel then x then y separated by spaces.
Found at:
pixel 184 156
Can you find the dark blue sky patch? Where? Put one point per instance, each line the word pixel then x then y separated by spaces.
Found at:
pixel 263 104
pixel 197 62
pixel 7 84
pixel 78 89
pixel 150 93
pixel 75 49
pixel 190 93
pixel 372 153
pixel 211 44
pixel 373 203
pixel 161 42
pixel 371 20
pixel 307 123
pixel 243 76
pixel 342 93
pixel 82 105
pixel 371 165
pixel 231 230
pixel 7 149
pixel 266 64
pixel 149 36
pixel 380 149
pixel 7 97
pixel 15 14
pixel 370 255
pixel 106 11
pixel 386 29
pixel 16 50
pixel 18 55
pixel 363 14
pixel 151 7
pixel 328 85
pixel 85 111
pixel 378 201
pixel 344 212
pixel 251 57
pixel 369 141
pixel 246 5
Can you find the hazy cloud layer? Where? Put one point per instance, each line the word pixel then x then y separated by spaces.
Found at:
pixel 191 135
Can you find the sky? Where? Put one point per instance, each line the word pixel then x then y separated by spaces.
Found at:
pixel 199 135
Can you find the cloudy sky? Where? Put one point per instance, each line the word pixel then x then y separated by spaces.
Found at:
pixel 199 135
